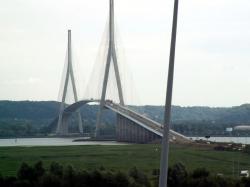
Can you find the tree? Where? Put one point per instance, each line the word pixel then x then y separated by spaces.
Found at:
pixel 25 172
pixel 121 179
pixel 177 175
pixel 50 180
pixel 1 180
pixel 69 176
pixel 38 169
pixel 139 177
pixel 56 169
pixel 200 173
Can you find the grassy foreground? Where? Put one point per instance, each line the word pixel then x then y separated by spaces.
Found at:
pixel 124 157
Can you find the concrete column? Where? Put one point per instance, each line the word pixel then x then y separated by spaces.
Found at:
pixel 123 129
pixel 134 133
pixel 117 130
pixel 137 134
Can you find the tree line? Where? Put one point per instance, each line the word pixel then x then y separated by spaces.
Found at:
pixel 59 176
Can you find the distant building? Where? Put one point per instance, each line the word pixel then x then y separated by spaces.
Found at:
pixel 244 173
pixel 242 128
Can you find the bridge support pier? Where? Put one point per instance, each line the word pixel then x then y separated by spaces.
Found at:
pixel 63 129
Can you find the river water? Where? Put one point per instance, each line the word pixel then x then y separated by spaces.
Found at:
pixel 69 141
pixel 52 142
pixel 243 140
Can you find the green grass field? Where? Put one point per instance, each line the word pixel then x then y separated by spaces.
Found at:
pixel 124 157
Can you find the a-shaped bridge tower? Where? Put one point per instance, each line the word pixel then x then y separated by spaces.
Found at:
pixel 111 58
pixel 62 125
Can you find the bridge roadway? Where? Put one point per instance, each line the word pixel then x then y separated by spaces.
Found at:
pixel 141 120
pixel 144 121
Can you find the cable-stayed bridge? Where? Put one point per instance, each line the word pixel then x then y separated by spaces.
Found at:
pixel 131 126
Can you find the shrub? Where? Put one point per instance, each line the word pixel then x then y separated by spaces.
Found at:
pixel 26 172
pixel 200 173
pixel 56 169
pixel 177 175
pixel 139 177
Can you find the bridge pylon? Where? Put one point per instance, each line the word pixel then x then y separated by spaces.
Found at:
pixel 111 57
pixel 62 126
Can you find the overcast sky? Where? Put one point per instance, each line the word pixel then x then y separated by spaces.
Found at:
pixel 212 54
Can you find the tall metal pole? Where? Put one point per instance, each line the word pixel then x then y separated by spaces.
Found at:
pixel 167 115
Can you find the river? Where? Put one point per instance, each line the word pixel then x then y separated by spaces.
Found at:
pixel 52 142
pixel 243 140
pixel 69 141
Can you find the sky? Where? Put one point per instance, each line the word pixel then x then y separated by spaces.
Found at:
pixel 212 51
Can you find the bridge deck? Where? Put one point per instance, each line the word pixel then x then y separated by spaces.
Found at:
pixel 143 121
